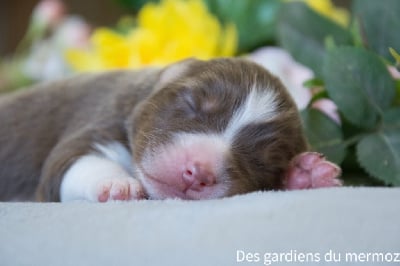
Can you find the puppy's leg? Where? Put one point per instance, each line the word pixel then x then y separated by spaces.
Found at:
pixel 311 170
pixel 76 169
pixel 98 179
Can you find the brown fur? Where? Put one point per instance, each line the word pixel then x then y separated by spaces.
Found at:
pixel 46 128
pixel 261 152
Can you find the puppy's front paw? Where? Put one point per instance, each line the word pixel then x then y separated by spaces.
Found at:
pixel 311 170
pixel 122 189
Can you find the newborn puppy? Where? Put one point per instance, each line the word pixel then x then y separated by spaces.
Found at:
pixel 193 130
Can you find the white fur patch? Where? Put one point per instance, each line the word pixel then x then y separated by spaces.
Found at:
pixel 260 106
pixel 118 153
pixel 81 180
pixel 185 139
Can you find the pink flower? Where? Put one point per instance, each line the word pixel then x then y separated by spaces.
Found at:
pixel 46 58
pixel 73 32
pixel 329 108
pixel 292 74
pixel 48 13
pixel 394 72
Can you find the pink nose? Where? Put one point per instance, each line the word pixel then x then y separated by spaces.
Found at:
pixel 197 176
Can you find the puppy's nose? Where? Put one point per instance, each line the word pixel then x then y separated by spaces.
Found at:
pixel 196 176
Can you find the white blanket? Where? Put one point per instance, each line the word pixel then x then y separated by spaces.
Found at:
pixel 268 228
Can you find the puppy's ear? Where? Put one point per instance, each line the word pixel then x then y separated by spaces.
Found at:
pixel 172 72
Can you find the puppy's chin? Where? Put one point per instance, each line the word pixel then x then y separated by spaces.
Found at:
pixel 158 190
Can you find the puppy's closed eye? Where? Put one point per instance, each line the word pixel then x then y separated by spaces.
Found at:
pixel 189 103
pixel 197 104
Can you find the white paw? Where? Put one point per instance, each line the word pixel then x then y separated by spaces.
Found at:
pixel 98 179
pixel 119 188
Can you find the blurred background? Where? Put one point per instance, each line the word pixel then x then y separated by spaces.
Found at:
pixel 15 16
pixel 49 39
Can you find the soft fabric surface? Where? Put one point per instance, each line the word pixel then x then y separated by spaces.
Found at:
pixel 214 232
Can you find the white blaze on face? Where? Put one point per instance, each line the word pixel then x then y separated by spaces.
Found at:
pixel 162 167
pixel 260 106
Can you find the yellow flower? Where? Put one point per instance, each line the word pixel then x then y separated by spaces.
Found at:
pixel 327 9
pixel 165 33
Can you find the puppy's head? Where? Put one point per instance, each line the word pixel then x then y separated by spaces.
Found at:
pixel 213 129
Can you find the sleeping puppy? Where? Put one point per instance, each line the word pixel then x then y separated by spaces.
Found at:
pixel 193 130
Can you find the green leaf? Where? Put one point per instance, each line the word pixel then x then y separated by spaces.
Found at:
pixel 303 32
pixel 379 155
pixel 359 83
pixel 380 23
pixel 355 31
pixel 395 55
pixel 317 96
pixel 314 82
pixel 255 19
pixel 397 98
pixel 324 135
pixel 134 5
pixel 359 178
pixel 391 118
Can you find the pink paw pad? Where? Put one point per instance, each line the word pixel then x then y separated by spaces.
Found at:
pixel 121 189
pixel 311 170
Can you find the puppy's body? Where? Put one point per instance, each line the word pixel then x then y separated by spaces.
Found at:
pixel 193 130
pixel 49 126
